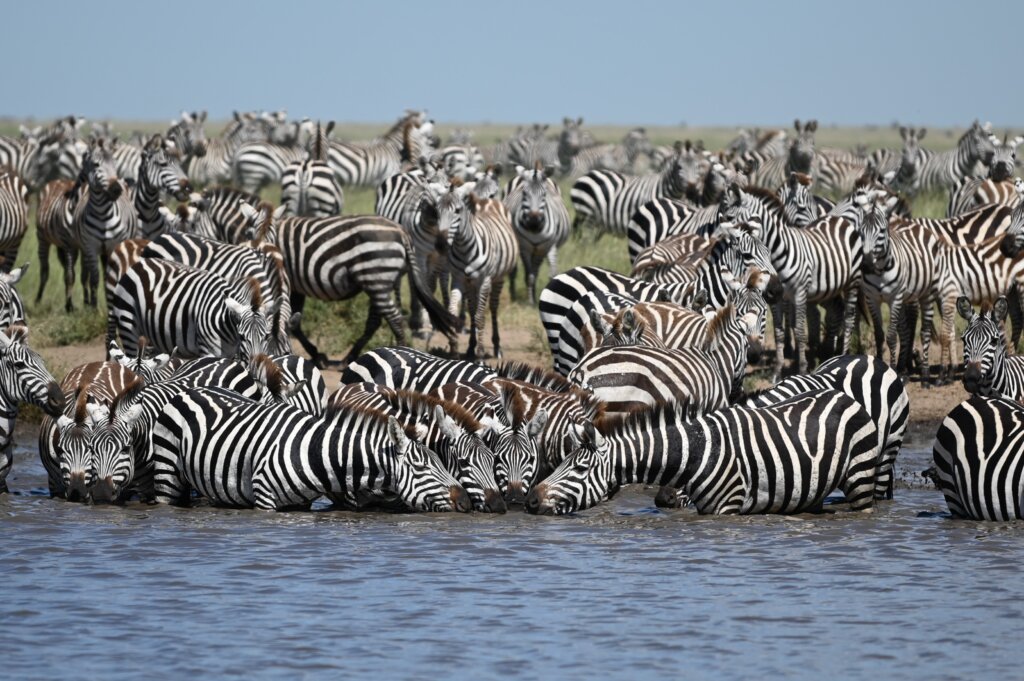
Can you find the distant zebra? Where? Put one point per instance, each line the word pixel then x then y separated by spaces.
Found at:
pixel 337 258
pixel 451 431
pixel 55 227
pixel 541 221
pixel 874 386
pixel 13 216
pixel 368 165
pixel 636 377
pixel 186 135
pixel 942 170
pixel 609 199
pixel 403 368
pixel 483 250
pixel 103 216
pixel 23 380
pixel 621 157
pixel 999 187
pixel 786 458
pixel 159 171
pixel 978 459
pixel 773 170
pixel 290 458
pixel 214 166
pixel 461 161
pixel 31 159
pixel 988 370
pixel 223 207
pixel 197 312
pixel 309 187
pixel 888 160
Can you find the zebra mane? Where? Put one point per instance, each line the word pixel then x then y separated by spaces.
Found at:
pixel 336 411
pixel 81 402
pixel 718 325
pixel 616 423
pixel 801 178
pixel 423 405
pixel 272 373
pixel 126 397
pixel 512 403
pixel 534 375
pixel 768 197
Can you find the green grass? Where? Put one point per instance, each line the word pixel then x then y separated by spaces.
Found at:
pixel 334 326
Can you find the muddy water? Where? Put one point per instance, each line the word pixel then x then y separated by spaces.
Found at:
pixel 620 591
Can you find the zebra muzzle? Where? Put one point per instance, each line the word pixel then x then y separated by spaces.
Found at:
pixel 516 493
pixel 460 499
pixel 493 502
pixel 104 491
pixel 536 503
pixel 54 405
pixel 773 292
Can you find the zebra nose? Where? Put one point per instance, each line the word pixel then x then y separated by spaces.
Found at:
pixel 972 376
pixel 493 503
pixel 460 499
pixel 54 400
pixel 667 497
pixel 773 292
pixel 754 351
pixel 104 490
pixel 77 489
pixel 515 493
pixel 1008 246
pixel 534 505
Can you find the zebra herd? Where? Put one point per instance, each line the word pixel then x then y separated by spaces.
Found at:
pixel 201 396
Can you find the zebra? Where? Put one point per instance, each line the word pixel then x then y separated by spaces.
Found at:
pixel 514 431
pixel 258 164
pixel 888 160
pixel 149 369
pixel 86 394
pixel 32 158
pixel 24 379
pixel 558 297
pixel 784 458
pixel 988 370
pixel 403 368
pixel 103 216
pixel 159 171
pixel 230 222
pixel 541 222
pixel 999 187
pixel 13 216
pixel 816 263
pixel 298 371
pixel 609 199
pixel 874 385
pixel 337 258
pixel 800 206
pixel 55 227
pixel 660 218
pixel 232 262
pixel 197 312
pixel 904 267
pixel 772 170
pixel 622 157
pixel 309 187
pixel 368 165
pixel 215 165
pixel 290 458
pixel 635 377
pixel 186 135
pixel 527 147
pixel 977 455
pixel 942 170
pixel 460 161
pixel 483 250
pixel 12 309
pixel 451 431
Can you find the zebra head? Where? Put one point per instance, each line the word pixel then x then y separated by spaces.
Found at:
pixel 262 221
pixel 274 386
pixel 984 346
pixel 748 258
pixel 99 171
pixel 532 211
pixel 514 441
pixel 874 228
pixel 485 185
pixel 451 211
pixel 1013 243
pixel 685 169
pixel 160 168
pixel 751 313
pixel 636 145
pixel 570 140
pixel 417 136
pixel 187 134
pixel 251 322
pixel 625 328
pixel 72 445
pixel 583 479
pixel 112 446
pixel 801 149
pixel 715 181
pixel 976 144
pixel 798 204
pixel 23 376
pixel 1004 158
pixel 912 158
pixel 419 478
pixel 475 462
pixel 146 368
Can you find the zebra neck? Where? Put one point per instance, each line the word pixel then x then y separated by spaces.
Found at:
pixel 147 199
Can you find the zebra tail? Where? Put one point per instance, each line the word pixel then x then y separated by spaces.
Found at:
pixel 439 317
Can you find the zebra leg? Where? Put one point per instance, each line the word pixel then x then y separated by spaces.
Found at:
pixel 512 278
pixel 814 339
pixel 908 327
pixel 1016 302
pixel 298 303
pixel 850 317
pixel 44 264
pixel 373 319
pixel 927 324
pixel 892 336
pixel 477 306
pixel 495 300
pixel 946 339
pixel 552 262
pixel 68 258
pixel 800 301
pixel 532 265
pixel 779 327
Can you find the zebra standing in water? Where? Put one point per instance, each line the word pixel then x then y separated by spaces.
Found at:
pixel 541 221
pixel 979 466
pixel 988 370
pixel 23 380
pixel 361 166
pixel 159 171
pixel 785 458
pixel 291 458
pixel 483 250
pixel 103 216
pixel 13 216
pixel 610 199
pixel 309 187
pixel 943 170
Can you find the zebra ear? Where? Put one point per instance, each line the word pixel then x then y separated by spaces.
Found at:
pixel 489 425
pixel 700 300
pixel 397 435
pixel 632 327
pixel 15 275
pixel 131 414
pixel 64 422
pixel 159 361
pixel 920 133
pixel 293 388
pixel 537 423
pixel 600 324
pixel 447 425
pixel 236 308
pixel 16 333
pixel 963 307
pixel 116 354
pixel 98 413
pixel 999 309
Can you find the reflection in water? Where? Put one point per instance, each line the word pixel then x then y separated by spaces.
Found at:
pixel 622 590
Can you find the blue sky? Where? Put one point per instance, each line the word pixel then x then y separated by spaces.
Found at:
pixel 631 61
